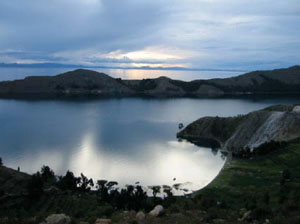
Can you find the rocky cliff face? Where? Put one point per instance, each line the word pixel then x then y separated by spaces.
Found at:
pixel 278 123
pixel 81 82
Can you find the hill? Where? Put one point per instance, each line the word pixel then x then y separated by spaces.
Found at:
pixel 86 82
pixel 279 123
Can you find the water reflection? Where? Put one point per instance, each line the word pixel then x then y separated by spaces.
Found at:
pixel 125 140
pixel 20 73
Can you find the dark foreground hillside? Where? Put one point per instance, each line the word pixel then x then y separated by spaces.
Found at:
pixel 263 189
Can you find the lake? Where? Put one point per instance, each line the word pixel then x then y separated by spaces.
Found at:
pixel 20 73
pixel 126 140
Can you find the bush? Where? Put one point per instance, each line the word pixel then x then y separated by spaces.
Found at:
pixel 268 147
pixel 105 211
pixel 85 184
pixel 174 208
pixel 261 213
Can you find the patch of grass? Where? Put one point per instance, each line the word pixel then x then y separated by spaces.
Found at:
pixel 260 184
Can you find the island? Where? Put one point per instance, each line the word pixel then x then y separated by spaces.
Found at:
pixel 83 82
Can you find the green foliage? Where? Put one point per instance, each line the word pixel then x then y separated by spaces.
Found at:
pixel 105 211
pixel 269 147
pixel 47 173
pixel 68 182
pixel 85 184
pixel 155 190
pixel 262 150
pixel 261 213
pixel 174 208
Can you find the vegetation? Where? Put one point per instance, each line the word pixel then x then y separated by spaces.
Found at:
pixel 265 187
pixel 264 149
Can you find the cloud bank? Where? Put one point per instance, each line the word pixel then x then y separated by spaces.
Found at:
pixel 231 34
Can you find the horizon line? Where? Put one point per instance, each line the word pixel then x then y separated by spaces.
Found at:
pixel 59 65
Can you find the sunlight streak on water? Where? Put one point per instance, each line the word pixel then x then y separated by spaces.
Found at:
pixel 20 73
pixel 124 140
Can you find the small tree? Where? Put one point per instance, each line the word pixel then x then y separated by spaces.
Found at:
pixel 180 126
pixel 85 183
pixel 68 182
pixel 102 190
pixel 167 190
pixel 47 173
pixel 1 161
pixel 155 190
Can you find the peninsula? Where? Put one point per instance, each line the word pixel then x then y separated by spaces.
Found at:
pixel 90 83
pixel 279 123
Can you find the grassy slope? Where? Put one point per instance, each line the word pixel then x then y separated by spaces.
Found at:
pixel 244 183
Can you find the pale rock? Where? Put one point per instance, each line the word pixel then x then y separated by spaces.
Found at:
pixel 140 216
pixel 103 221
pixel 58 219
pixel 296 109
pixel 245 217
pixel 157 211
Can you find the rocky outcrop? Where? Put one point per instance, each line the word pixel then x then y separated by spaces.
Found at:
pixel 140 216
pixel 296 109
pixel 86 82
pixel 278 123
pixel 103 221
pixel 57 219
pixel 157 211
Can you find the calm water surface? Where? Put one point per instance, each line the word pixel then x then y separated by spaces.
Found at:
pixel 20 73
pixel 126 140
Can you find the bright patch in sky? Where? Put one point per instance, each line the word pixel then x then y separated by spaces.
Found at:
pixel 229 34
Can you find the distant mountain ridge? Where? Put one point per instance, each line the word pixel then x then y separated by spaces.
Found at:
pixel 58 65
pixel 87 82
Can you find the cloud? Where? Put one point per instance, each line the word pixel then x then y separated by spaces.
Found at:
pixel 247 34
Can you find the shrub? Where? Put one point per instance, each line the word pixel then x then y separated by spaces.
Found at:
pixel 268 147
pixel 106 211
pixel 261 213
pixel 174 208
pixel 85 184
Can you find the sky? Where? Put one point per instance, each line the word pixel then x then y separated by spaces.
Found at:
pixel 214 34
